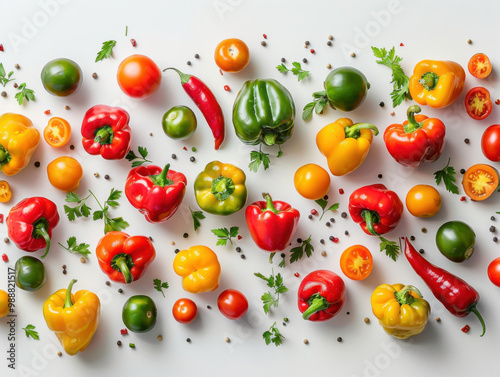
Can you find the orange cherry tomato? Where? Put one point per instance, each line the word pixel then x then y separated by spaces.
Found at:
pixel 232 55
pixel 356 262
pixel 478 103
pixel 479 66
pixel 480 181
pixel 4 303
pixel 65 173
pixel 138 76
pixel 57 132
pixel 423 201
pixel 312 181
pixel 5 192
pixel 184 310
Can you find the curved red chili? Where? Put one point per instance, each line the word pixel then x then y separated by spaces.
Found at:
pixel 203 97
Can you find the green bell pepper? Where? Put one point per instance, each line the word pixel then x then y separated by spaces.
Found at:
pixel 30 273
pixel 263 112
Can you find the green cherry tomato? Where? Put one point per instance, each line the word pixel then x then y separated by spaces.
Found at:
pixel 455 240
pixel 30 273
pixel 61 77
pixel 179 122
pixel 139 313
pixel 346 88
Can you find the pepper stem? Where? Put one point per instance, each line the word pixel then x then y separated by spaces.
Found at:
pixel 412 125
pixel 123 263
pixel 184 77
pixel 161 179
pixel 269 204
pixel 371 218
pixel 429 80
pixel 316 303
pixel 4 155
pixel 404 296
pixel 270 138
pixel 353 131
pixel 104 135
pixel 476 312
pixel 67 302
pixel 222 188
pixel 40 227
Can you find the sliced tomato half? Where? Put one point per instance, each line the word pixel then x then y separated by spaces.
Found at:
pixel 478 103
pixel 479 66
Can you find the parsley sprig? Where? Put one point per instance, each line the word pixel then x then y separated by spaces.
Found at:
pixel 323 203
pixel 4 80
pixel 138 160
pixel 297 253
pixel 197 216
pixel 273 335
pixel 225 235
pixel 78 248
pixel 296 70
pixel 317 105
pixel 447 175
pixel 159 285
pixel 391 248
pixel 269 299
pixel 31 332
pixel 400 81
pixel 24 94
pixel 106 50
pixel 81 210
pixel 257 159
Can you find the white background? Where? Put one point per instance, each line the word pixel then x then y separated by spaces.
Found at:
pixel 171 33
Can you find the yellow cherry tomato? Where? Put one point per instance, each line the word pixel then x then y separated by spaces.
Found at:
pixel 423 201
pixel 5 192
pixel 312 181
pixel 4 303
pixel 65 173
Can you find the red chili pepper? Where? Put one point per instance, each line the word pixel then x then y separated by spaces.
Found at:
pixel 272 224
pixel 466 328
pixel 455 294
pixel 296 274
pixel 1 47
pixel 239 237
pixel 321 295
pixel 134 43
pixel 205 100
pixel 46 112
pixel 265 36
pixel 401 44
pixel 497 101
pixel 462 199
pixel 5 258
pixel 124 331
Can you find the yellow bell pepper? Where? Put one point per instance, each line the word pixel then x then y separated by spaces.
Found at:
pixel 345 145
pixel 400 309
pixel 436 83
pixel 199 268
pixel 4 303
pixel 73 318
pixel 18 141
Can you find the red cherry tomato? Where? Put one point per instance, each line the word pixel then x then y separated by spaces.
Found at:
pixel 138 76
pixel 494 271
pixel 490 143
pixel 479 66
pixel 478 103
pixel 184 310
pixel 232 303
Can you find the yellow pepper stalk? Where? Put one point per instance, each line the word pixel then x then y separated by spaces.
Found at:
pixel 73 318
pixel 345 145
pixel 199 268
pixel 400 309
pixel 18 141
pixel 436 83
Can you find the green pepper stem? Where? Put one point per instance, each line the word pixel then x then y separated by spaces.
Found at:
pixel 429 80
pixel 161 179
pixel 222 188
pixel 404 295
pixel 354 130
pixel 371 218
pixel 67 302
pixel 474 310
pixel 412 125
pixel 270 138
pixel 269 204
pixel 40 227
pixel 4 155
pixel 316 303
pixel 104 135
pixel 184 77
pixel 271 257
pixel 122 265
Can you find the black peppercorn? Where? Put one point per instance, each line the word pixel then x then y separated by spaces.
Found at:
pixel 421 251
pixel 196 56
pixel 492 229
pixel 185 235
pixel 381 104
pixel 176 251
pixel 192 159
pixel 299 240
pixel 322 241
pixel 328 223
pixel 263 43
pixel 304 60
pixel 380 175
pixel 344 215
pixel 37 164
pixel 243 256
pixel 238 249
pixel 120 290
pixel 329 43
pixel 106 176
pixel 412 238
pixel 310 217
pixel 332 220
pixel 188 62
pixel 492 218
pixel 174 157
pixel 466 141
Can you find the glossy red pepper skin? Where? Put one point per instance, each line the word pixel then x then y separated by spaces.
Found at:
pixel 30 223
pixel 272 224
pixel 123 258
pixel 105 131
pixel 419 139
pixel 321 295
pixel 156 198
pixel 203 97
pixel 383 205
pixel 458 297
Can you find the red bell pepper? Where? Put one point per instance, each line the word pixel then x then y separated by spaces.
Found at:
pixel 419 139
pixel 105 131
pixel 30 223
pixel 458 297
pixel 321 295
pixel 123 258
pixel 156 193
pixel 272 224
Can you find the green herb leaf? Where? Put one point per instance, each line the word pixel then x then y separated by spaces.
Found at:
pixel 106 50
pixel 308 110
pixel 276 282
pixel 225 235
pixel 273 335
pixel 30 332
pixel 24 94
pixel 73 247
pixel 116 224
pixel 114 195
pixel 297 252
pixel 259 158
pixel 267 301
pixel 282 68
pixel 5 80
pixel 197 216
pixel 138 160
pixel 296 70
pixel 391 248
pixel 447 175
pixel 280 152
pixel 78 211
pixel 323 203
pixel 158 285
pixel 98 215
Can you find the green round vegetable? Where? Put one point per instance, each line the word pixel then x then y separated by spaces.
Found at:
pixel 30 273
pixel 179 122
pixel 61 77
pixel 455 240
pixel 139 313
pixel 346 88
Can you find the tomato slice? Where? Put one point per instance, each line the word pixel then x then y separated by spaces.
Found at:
pixel 480 181
pixel 479 66
pixel 57 132
pixel 356 262
pixel 478 103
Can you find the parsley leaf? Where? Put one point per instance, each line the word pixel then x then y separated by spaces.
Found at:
pixel 138 160
pixel 24 94
pixel 297 253
pixel 158 285
pixel 323 203
pixel 30 331
pixel 73 247
pixel 225 235
pixel 276 282
pixel 258 158
pixel 80 210
pixel 197 216
pixel 273 335
pixel 106 50
pixel 318 105
pixel 447 175
pixel 296 70
pixel 391 248
pixel 5 80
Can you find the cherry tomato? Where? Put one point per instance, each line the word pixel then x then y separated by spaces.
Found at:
pixel 139 313
pixel 490 143
pixel 232 304
pixel 179 122
pixel 65 173
pixel 479 66
pixel 184 310
pixel 4 303
pixel 232 55
pixel 356 262
pixel 423 201
pixel 57 132
pixel 138 76
pixel 478 103
pixel 312 181
pixel 5 192
pixel 480 181
pixel 494 271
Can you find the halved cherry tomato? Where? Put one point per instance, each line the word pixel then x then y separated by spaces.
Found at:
pixel 65 173
pixel 232 55
pixel 312 181
pixel 5 192
pixel 184 310
pixel 356 262
pixel 479 66
pixel 57 132
pixel 490 142
pixel 494 271
pixel 478 103
pixel 480 181
pixel 423 201
pixel 232 303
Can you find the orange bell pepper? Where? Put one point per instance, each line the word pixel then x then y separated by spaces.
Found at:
pixel 437 83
